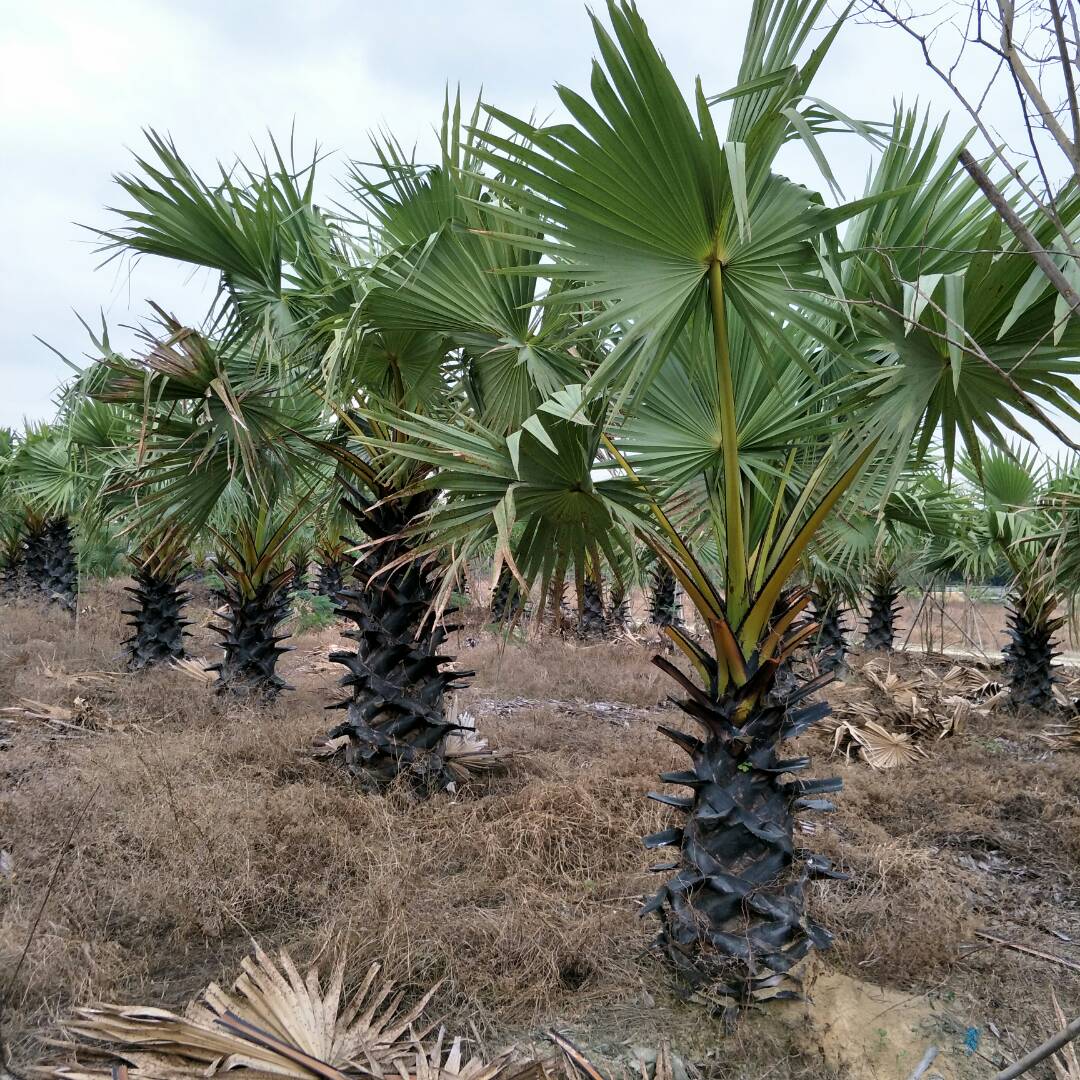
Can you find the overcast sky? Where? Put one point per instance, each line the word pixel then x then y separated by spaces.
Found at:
pixel 80 81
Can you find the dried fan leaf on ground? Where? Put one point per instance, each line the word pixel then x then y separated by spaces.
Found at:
pixel 1062 736
pixel 198 670
pixel 887 714
pixel 451 1063
pixel 82 714
pixel 879 748
pixel 274 1021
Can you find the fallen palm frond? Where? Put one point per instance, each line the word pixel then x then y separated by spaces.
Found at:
pixel 886 715
pixel 435 1063
pixel 81 714
pixel 273 1021
pixel 466 753
pixel 879 748
pixel 80 678
pixel 1062 736
pixel 277 1023
pixel 198 670
pixel 1065 1063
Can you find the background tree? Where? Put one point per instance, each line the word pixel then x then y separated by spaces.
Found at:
pixel 1015 70
pixel 1008 526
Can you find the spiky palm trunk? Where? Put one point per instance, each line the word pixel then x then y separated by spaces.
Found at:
pixel 505 597
pixel 618 616
pixel 51 566
pixel 158 619
pixel 1030 628
pixel 248 637
pixel 664 605
pixel 733 917
pixel 330 577
pixel 831 644
pixel 592 622
pixel 559 615
pixel 785 680
pixel 883 608
pixel 395 715
pixel 299 566
pixel 35 556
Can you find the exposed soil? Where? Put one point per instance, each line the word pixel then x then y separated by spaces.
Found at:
pixel 211 824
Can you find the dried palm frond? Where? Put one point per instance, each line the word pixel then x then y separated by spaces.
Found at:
pixel 80 678
pixel 1062 736
pixel 908 707
pixel 466 753
pixel 274 1021
pixel 878 747
pixel 451 1064
pixel 197 669
pixel 80 714
pixel 40 710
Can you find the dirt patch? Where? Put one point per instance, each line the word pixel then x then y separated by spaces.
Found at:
pixel 860 1029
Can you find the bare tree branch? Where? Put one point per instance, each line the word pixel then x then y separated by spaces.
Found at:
pixel 1020 230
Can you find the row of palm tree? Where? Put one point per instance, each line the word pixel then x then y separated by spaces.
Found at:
pixel 560 342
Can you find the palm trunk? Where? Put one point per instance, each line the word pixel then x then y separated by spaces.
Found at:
pixel 158 619
pixel 831 645
pixel 592 622
pixel 35 557
pixel 395 712
pixel 1030 627
pixel 329 577
pixel 51 566
pixel 619 609
pixel 733 917
pixel 505 597
pixel 13 577
pixel 884 592
pixel 252 647
pixel 558 610
pixel 299 564
pixel 664 609
pixel 786 681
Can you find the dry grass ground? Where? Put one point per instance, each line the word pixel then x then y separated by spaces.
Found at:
pixel 210 824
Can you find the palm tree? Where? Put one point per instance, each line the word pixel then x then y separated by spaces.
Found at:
pixel 1011 525
pixel 506 603
pixel 13 581
pixel 748 425
pixel 664 599
pixel 409 319
pixel 255 601
pixel 221 453
pixel 50 483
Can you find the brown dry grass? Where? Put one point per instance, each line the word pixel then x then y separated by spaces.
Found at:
pixel 212 825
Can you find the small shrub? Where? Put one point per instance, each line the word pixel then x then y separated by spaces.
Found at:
pixel 213 580
pixel 311 611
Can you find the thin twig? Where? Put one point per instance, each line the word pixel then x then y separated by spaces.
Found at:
pixel 1071 965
